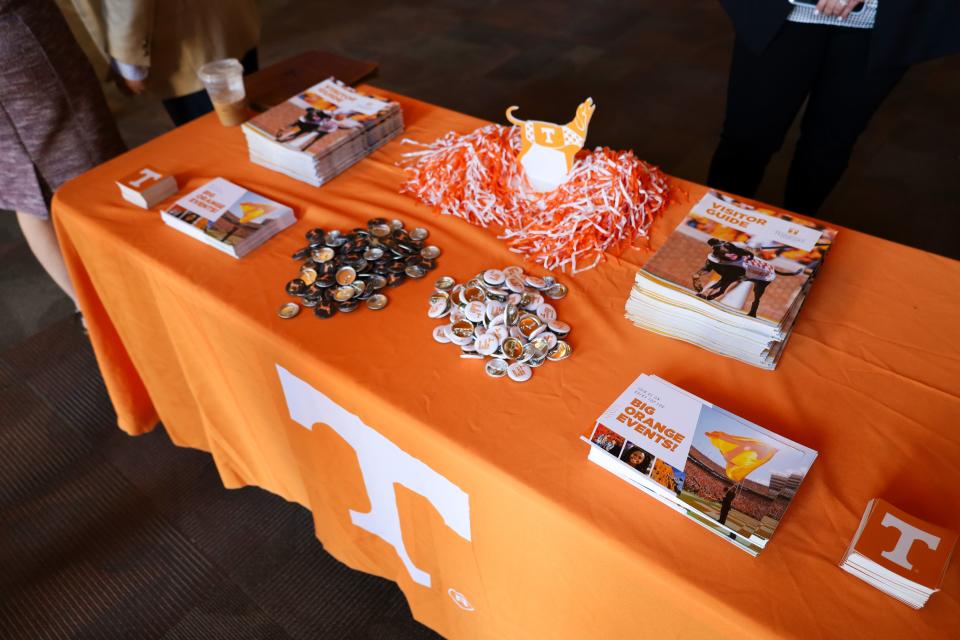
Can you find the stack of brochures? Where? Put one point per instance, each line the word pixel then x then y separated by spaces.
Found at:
pixel 228 217
pixel 731 278
pixel 318 133
pixel 898 553
pixel 728 475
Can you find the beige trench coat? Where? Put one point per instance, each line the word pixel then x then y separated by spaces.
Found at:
pixel 172 37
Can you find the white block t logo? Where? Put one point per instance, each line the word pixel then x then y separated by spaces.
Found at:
pixel 908 534
pixel 382 464
pixel 146 175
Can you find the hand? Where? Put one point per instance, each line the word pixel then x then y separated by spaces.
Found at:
pixel 838 8
pixel 126 86
pixel 131 87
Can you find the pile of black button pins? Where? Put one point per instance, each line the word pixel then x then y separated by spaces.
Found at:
pixel 339 271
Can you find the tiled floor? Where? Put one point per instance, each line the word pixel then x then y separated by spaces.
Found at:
pixel 656 70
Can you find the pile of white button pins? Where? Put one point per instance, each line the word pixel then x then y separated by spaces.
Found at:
pixel 503 315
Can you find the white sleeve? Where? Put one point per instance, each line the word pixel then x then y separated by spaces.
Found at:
pixel 130 71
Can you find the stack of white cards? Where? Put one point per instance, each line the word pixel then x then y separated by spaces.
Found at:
pixel 900 554
pixel 146 187
pixel 318 133
pixel 731 278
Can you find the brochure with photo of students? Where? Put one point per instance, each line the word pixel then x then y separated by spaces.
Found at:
pixel 321 131
pixel 731 278
pixel 725 473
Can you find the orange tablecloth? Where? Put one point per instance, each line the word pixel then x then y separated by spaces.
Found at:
pixel 554 547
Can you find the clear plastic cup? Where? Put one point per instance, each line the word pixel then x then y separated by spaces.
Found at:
pixel 223 80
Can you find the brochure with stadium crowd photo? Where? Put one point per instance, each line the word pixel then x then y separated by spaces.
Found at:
pixel 731 278
pixel 725 473
pixel 227 217
pixel 320 132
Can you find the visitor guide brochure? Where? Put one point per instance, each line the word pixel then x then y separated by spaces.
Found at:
pixel 321 131
pixel 731 278
pixel 228 217
pixel 725 473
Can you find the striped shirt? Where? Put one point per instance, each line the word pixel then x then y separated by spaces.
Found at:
pixel 862 19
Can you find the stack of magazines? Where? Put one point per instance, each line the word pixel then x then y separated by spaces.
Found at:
pixel 731 278
pixel 318 133
pixel 228 217
pixel 728 475
pixel 898 553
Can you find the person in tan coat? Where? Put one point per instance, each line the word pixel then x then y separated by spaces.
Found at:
pixel 158 45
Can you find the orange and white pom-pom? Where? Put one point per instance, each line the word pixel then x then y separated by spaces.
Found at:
pixel 609 199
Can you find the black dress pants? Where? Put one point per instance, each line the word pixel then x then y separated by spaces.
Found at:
pixel 823 64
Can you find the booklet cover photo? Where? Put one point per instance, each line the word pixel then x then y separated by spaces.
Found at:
pixel 727 474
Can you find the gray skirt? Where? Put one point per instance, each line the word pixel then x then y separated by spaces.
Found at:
pixel 54 121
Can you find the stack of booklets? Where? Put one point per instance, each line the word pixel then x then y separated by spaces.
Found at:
pixel 898 553
pixel 728 475
pixel 731 278
pixel 318 133
pixel 228 217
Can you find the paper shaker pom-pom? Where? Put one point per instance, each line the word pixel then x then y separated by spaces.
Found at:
pixel 609 200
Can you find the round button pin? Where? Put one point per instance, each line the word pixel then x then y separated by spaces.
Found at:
pixel 439 309
pixel 346 275
pixel 535 282
pixel 323 254
pixel 342 294
pixel 475 311
pixel 288 310
pixel 493 277
pixel 519 372
pixel 514 284
pixel 445 283
pixel 560 352
pixel 496 368
pixel 487 344
pixel 440 334
pixel 557 291
pixel 558 327
pixel 377 301
pixel 546 312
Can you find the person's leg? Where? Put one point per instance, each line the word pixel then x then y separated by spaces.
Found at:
pixel 842 101
pixel 42 240
pixel 250 61
pixel 764 94
pixel 183 109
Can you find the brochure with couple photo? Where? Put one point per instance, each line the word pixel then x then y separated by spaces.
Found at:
pixel 228 217
pixel 321 131
pixel 727 474
pixel 731 278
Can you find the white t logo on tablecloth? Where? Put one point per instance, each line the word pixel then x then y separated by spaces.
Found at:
pixel 382 464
